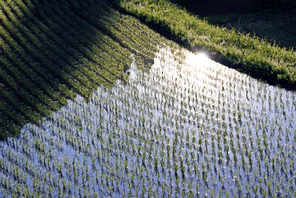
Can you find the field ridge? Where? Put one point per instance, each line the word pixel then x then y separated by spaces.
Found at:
pixel 249 54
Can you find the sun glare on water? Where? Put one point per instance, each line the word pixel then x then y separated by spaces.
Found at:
pixel 198 59
pixel 189 127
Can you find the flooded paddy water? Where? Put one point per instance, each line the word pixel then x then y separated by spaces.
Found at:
pixel 188 127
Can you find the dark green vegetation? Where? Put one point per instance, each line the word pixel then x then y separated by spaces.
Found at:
pixel 202 7
pixel 247 53
pixel 52 50
pixel 273 20
pixel 276 27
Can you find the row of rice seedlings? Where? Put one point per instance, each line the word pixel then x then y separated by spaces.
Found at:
pixel 95 57
pixel 5 123
pixel 23 40
pixel 32 90
pixel 28 71
pixel 97 9
pixel 12 43
pixel 103 62
pixel 37 80
pixel 130 34
pixel 78 21
pixel 139 30
pixel 13 102
pixel 176 156
pixel 25 31
pixel 109 24
pixel 42 109
pixel 70 25
pixel 82 78
pixel 40 26
pixel 143 32
pixel 34 172
pixel 17 76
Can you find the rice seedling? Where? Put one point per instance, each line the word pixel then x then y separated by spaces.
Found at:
pixel 187 127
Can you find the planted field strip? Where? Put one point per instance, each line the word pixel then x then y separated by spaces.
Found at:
pixel 188 127
pixel 52 51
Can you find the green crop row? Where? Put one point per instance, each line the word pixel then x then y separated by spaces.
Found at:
pixel 19 70
pixel 53 50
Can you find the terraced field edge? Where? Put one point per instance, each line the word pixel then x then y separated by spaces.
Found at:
pixel 249 54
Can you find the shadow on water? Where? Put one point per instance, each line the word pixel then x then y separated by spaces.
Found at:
pixel 51 51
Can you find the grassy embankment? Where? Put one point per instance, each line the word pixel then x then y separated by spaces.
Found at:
pixel 274 21
pixel 249 54
pixel 51 51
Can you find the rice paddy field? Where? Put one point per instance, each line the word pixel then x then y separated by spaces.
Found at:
pixel 189 127
pixel 52 50
pixel 103 106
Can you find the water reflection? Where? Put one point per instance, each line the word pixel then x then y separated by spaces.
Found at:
pixel 188 127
